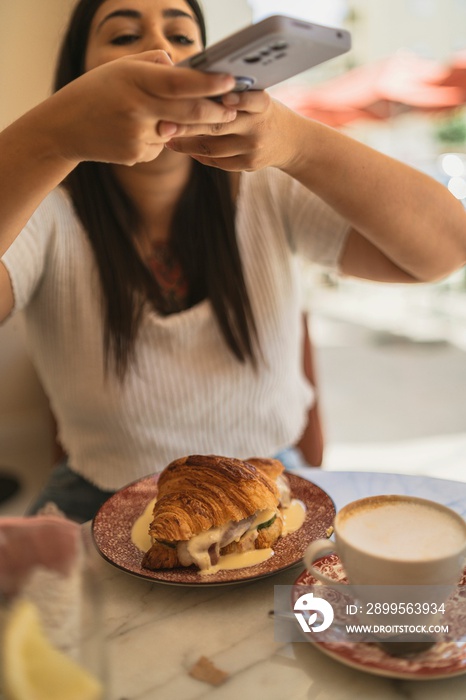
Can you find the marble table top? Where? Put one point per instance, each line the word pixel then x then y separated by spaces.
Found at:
pixel 156 632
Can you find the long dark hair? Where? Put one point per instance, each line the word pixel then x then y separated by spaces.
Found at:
pixel 202 236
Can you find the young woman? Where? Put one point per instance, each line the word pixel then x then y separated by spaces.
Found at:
pixel 150 235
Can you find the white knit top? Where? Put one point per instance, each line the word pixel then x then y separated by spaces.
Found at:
pixel 186 393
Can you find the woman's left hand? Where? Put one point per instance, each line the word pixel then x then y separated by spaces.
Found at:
pixel 254 140
pixel 405 226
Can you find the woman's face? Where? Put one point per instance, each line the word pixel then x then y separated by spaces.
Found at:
pixel 123 27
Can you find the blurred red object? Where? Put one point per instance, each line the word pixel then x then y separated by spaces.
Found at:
pixel 456 73
pixel 402 82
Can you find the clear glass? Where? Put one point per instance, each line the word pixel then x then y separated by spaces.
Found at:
pixel 62 585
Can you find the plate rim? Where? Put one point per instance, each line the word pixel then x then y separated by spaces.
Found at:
pixel 328 649
pixel 152 577
pixel 381 673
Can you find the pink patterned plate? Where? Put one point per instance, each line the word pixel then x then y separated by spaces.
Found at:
pixel 443 660
pixel 112 526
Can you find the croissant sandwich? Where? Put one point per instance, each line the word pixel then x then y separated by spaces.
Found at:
pixel 209 505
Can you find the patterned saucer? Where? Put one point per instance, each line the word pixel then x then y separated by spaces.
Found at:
pixel 443 660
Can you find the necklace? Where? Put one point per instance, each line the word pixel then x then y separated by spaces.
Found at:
pixel 169 275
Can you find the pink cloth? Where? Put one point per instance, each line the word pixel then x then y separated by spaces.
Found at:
pixel 31 542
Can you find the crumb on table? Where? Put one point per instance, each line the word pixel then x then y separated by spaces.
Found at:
pixel 204 670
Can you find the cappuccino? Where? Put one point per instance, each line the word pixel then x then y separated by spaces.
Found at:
pixel 396 549
pixel 406 530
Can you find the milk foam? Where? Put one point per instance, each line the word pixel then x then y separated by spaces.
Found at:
pixel 403 530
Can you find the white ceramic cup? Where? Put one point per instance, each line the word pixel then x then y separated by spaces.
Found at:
pixel 395 542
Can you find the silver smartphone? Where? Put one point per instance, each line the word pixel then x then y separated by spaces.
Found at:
pixel 275 49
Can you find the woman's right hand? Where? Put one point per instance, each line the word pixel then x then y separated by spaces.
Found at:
pixel 126 110
pixel 123 111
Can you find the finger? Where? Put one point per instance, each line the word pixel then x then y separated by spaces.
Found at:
pixel 254 101
pixel 172 82
pixel 195 114
pixel 166 130
pixel 213 129
pixel 220 147
pixel 234 164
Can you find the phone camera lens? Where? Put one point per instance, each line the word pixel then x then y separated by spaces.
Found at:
pixel 252 58
pixel 243 84
pixel 279 45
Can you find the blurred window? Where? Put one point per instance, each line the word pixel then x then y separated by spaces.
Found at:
pixel 422 8
pixel 328 12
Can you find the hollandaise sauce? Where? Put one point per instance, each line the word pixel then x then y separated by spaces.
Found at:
pixel 140 531
pixel 293 518
pixel 239 561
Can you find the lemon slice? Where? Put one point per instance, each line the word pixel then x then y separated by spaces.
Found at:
pixel 33 669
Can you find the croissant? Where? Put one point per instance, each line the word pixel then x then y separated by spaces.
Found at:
pixel 209 505
pixel 274 469
pixel 271 467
